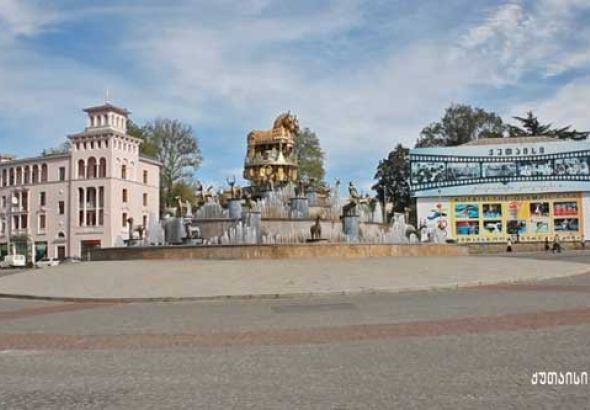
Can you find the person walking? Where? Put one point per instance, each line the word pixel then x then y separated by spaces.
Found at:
pixel 509 245
pixel 556 244
pixel 583 242
pixel 546 244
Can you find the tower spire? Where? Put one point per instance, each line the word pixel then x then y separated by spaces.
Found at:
pixel 106 96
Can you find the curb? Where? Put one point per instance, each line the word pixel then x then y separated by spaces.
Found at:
pixel 265 296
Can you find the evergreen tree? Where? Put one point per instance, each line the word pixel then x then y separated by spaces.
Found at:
pixel 310 157
pixel 393 179
pixel 530 126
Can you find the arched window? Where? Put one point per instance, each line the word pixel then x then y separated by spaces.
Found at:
pixel 4 178
pixel 35 178
pixel 80 206
pixel 123 171
pixel 27 175
pixel 92 171
pixel 11 181
pixel 81 169
pixel 105 120
pixel 19 175
pixel 102 169
pixel 61 235
pixel 44 173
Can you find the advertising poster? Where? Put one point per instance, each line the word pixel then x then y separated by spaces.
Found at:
pixel 523 217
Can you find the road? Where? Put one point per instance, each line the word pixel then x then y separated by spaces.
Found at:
pixel 469 348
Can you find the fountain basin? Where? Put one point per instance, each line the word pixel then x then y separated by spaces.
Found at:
pixel 286 251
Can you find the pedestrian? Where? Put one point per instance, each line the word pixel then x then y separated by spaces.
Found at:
pixel 509 245
pixel 546 244
pixel 583 242
pixel 556 244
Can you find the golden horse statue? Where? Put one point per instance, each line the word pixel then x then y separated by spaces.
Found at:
pixel 286 124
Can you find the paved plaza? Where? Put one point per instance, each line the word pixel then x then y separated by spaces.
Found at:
pixel 200 279
pixel 474 347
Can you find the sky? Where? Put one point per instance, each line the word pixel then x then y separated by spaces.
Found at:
pixel 363 75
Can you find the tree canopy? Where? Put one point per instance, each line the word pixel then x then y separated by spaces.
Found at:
pixel 62 149
pixel 176 147
pixel 461 124
pixel 530 126
pixel 310 157
pixel 393 175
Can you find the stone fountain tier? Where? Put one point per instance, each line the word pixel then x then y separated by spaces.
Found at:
pixel 285 230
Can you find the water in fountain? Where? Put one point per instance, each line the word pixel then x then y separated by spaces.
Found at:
pixel 398 229
pixel 155 232
pixel 378 213
pixel 211 210
pixel 273 206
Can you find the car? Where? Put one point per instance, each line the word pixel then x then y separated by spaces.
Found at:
pixel 14 261
pixel 45 262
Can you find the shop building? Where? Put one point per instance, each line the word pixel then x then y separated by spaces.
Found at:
pixel 527 189
pixel 84 198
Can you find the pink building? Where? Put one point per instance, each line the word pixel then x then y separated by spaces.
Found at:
pixel 71 202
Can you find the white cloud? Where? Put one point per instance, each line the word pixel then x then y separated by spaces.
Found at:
pixel 516 40
pixel 568 106
pixel 233 65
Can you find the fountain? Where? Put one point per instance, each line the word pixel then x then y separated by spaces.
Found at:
pixel 279 208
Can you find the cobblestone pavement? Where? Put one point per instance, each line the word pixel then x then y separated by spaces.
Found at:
pixel 468 348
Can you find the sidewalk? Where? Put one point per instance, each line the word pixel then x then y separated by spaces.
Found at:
pixel 197 279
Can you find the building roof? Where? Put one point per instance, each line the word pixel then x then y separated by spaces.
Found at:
pixel 40 158
pixel 107 106
pixel 513 140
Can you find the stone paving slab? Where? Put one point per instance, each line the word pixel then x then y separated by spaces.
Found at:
pixel 200 279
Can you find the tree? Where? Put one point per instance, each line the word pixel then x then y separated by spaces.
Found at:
pixel 177 148
pixel 393 176
pixel 184 190
pixel 459 125
pixel 147 147
pixel 530 126
pixel 62 149
pixel 310 157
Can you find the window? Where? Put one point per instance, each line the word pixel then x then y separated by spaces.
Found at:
pixel 145 177
pixel 42 199
pixel 124 195
pixel 81 169
pixel 145 199
pixel 4 202
pixel 24 222
pixel 42 222
pixel 145 221
pixel 124 171
pixel 62 173
pixel 92 167
pixel 124 220
pixel 102 168
pixel 61 207
pixel 44 173
pixel 35 174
